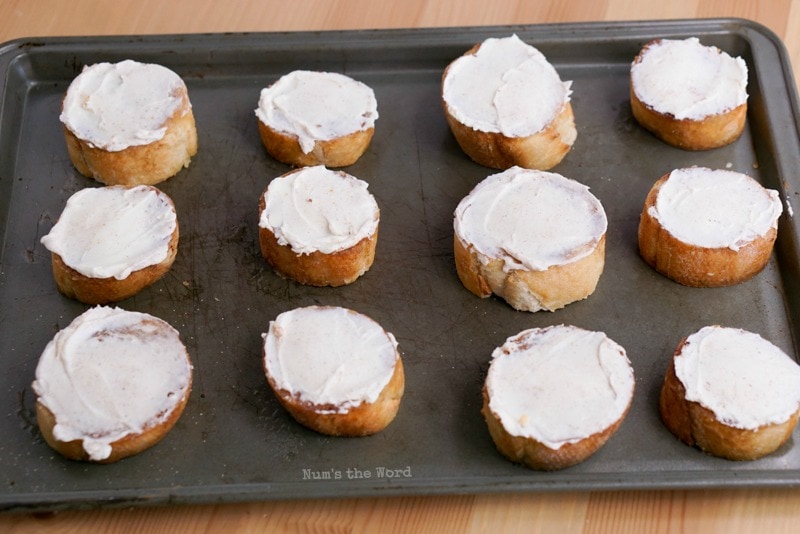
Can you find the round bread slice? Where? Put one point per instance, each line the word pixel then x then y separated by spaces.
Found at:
pixel 708 228
pixel 336 371
pixel 534 238
pixel 553 396
pixel 111 242
pixel 689 95
pixel 731 393
pixel 318 226
pixel 128 123
pixel 317 118
pixel 111 384
pixel 506 106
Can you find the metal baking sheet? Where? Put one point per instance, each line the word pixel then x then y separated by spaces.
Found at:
pixel 234 442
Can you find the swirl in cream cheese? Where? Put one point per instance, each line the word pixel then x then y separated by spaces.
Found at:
pixel 530 219
pixel 688 80
pixel 329 356
pixel 506 86
pixel 559 384
pixel 114 106
pixel 744 379
pixel 715 208
pixel 317 209
pixel 111 373
pixel 112 231
pixel 317 106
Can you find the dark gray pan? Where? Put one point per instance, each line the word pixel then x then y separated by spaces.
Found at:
pixel 234 442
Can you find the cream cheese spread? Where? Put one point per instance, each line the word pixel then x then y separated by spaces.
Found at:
pixel 506 87
pixel 112 231
pixel 114 106
pixel 715 208
pixel 329 356
pixel 317 106
pixel 688 80
pixel 744 379
pixel 530 219
pixel 559 384
pixel 111 373
pixel 318 209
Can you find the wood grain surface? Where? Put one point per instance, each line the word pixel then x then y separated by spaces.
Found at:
pixel 729 511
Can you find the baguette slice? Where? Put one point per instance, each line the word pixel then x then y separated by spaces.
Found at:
pixel 309 118
pixel 734 434
pixel 697 258
pixel 546 401
pixel 690 96
pixel 328 239
pixel 334 370
pixel 131 233
pixel 534 127
pixel 130 381
pixel 151 133
pixel 535 239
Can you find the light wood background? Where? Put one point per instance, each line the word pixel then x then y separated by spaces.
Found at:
pixel 728 511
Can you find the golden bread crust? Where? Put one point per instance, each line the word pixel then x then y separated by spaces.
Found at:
pixel 537 455
pixel 542 150
pixel 316 268
pixel 713 131
pixel 123 447
pixel 144 164
pixel 696 266
pixel 338 152
pixel 363 420
pixel 697 426
pixel 90 290
pixel 550 289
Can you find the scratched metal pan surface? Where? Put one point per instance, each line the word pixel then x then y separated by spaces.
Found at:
pixel 234 442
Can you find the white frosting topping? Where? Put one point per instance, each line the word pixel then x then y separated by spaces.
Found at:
pixel 530 219
pixel 715 208
pixel 112 231
pixel 744 379
pixel 329 355
pixel 689 80
pixel 111 373
pixel 317 106
pixel 506 86
pixel 114 106
pixel 318 209
pixel 559 384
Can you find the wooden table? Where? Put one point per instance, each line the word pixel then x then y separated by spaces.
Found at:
pixel 764 510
